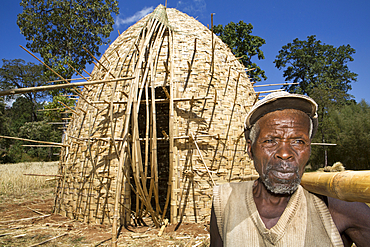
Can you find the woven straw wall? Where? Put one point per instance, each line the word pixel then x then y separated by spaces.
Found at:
pixel 194 130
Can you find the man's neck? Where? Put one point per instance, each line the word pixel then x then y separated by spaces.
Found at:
pixel 270 206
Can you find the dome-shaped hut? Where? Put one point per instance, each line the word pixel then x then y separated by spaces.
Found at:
pixel 162 127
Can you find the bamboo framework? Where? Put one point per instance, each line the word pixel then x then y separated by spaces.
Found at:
pixel 155 127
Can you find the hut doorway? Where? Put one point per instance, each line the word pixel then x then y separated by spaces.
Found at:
pixel 162 108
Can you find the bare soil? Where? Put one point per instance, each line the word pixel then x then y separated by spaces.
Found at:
pixel 27 220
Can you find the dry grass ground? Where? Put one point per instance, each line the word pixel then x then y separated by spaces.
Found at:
pixel 26 218
pixel 13 182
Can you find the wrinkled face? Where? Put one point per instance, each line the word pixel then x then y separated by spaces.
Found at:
pixel 281 150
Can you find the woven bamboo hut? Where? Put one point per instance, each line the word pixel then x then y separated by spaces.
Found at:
pixel 161 129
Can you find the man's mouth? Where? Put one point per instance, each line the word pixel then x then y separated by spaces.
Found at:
pixel 283 175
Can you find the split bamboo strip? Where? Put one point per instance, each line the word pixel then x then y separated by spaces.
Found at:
pixel 61 77
pixel 98 61
pixel 190 65
pixel 130 104
pixel 213 111
pixel 213 47
pixel 86 72
pixel 171 178
pixel 69 108
pixel 201 156
pixel 86 79
pixel 235 150
pixel 142 188
pixel 216 150
pixel 231 117
pixel 227 81
pixel 352 186
pixel 28 140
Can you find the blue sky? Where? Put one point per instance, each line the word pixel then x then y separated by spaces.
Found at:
pixel 334 22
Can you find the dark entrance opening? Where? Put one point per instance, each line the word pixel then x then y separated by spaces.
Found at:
pixel 162 127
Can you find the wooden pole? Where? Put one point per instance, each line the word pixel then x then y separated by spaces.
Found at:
pixel 98 61
pixel 278 84
pixel 59 86
pixel 351 186
pixel 28 140
pixel 271 91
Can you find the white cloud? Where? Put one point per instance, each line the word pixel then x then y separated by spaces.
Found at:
pixel 192 7
pixel 132 19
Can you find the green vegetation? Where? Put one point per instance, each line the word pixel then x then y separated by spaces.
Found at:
pixel 58 30
pixel 244 45
pixel 350 130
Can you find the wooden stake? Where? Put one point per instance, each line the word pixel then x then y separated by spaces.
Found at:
pixel 163 226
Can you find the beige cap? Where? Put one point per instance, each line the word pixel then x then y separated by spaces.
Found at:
pixel 280 101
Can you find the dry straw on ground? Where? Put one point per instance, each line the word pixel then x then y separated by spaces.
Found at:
pixel 14 182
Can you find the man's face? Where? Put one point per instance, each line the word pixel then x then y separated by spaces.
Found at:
pixel 281 150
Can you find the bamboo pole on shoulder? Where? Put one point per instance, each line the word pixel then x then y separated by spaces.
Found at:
pixel 351 186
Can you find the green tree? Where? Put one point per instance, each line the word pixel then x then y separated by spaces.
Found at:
pixel 321 72
pixel 243 45
pixel 58 30
pixel 41 131
pixel 17 74
pixel 55 110
pixel 4 131
pixel 351 133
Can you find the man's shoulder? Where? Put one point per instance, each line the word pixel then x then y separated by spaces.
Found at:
pixel 230 191
pixel 233 186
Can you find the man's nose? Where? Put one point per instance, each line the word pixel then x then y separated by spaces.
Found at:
pixel 284 151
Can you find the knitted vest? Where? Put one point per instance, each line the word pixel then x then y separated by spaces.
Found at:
pixel 306 221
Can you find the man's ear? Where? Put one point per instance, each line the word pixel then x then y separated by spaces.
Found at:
pixel 249 149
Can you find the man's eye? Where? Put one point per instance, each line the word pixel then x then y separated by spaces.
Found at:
pixel 269 141
pixel 299 142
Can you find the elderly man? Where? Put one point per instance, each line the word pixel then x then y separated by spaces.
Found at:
pixel 275 210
